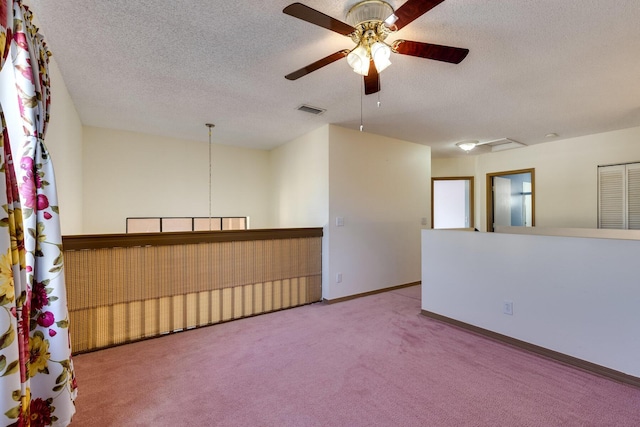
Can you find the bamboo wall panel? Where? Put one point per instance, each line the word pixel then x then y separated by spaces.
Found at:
pixel 123 294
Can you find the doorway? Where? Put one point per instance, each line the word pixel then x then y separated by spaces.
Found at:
pixel 452 202
pixel 511 199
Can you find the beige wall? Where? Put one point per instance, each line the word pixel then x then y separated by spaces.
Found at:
pixel 566 184
pixel 300 181
pixel 381 188
pixel 64 141
pixel 459 166
pixel 378 185
pixel 130 174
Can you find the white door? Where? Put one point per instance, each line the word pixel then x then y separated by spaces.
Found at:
pixel 528 204
pixel 501 201
pixel 451 203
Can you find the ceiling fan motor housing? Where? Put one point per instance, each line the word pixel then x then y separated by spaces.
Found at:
pixel 369 10
pixel 367 17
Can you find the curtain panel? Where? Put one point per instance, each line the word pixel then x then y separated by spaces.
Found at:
pixel 37 380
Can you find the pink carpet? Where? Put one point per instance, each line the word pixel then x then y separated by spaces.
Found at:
pixel 373 361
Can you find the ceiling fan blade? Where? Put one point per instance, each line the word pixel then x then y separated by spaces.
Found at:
pixel 412 10
pixel 300 11
pixel 371 80
pixel 454 55
pixel 316 65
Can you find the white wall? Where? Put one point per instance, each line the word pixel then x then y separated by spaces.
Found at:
pixel 566 184
pixel 63 140
pixel 577 296
pixel 300 186
pixel 381 187
pixel 300 181
pixel 130 174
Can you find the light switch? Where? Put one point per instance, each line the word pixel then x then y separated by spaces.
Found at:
pixel 339 221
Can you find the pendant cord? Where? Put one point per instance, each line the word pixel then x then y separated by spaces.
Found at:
pixel 209 178
pixel 209 125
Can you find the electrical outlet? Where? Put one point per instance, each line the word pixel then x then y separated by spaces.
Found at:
pixel 507 308
pixel 339 278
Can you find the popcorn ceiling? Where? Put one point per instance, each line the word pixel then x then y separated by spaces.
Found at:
pixel 169 67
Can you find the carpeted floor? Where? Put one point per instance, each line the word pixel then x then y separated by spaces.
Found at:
pixel 372 361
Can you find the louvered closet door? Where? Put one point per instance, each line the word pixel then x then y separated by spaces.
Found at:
pixel 633 196
pixel 611 197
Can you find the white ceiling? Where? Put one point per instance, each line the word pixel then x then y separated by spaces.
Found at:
pixel 168 67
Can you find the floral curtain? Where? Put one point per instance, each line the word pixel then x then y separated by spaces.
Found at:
pixel 37 381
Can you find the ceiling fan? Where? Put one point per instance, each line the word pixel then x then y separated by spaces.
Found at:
pixel 369 23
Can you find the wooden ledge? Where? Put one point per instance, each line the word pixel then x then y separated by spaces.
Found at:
pixel 101 241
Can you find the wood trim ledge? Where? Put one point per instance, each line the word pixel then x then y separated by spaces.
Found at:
pixel 100 241
pixel 542 351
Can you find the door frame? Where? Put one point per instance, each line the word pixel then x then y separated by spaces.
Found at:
pixel 489 192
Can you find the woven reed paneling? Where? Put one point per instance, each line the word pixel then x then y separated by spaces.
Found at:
pixel 119 295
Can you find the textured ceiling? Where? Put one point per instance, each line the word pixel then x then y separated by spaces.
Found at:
pixel 168 67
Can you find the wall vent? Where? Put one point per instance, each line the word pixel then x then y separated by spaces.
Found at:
pixel 310 109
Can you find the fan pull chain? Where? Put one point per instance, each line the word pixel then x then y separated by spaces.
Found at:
pixel 361 96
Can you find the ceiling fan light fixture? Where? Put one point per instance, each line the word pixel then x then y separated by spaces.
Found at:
pixel 380 52
pixel 467 145
pixel 358 59
pixel 369 23
pixel 391 19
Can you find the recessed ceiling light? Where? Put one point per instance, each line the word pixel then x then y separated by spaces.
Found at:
pixel 551 135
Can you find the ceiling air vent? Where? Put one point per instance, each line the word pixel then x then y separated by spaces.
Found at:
pixel 503 144
pixel 310 109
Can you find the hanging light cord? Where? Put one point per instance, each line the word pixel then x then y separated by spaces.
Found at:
pixel 209 125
